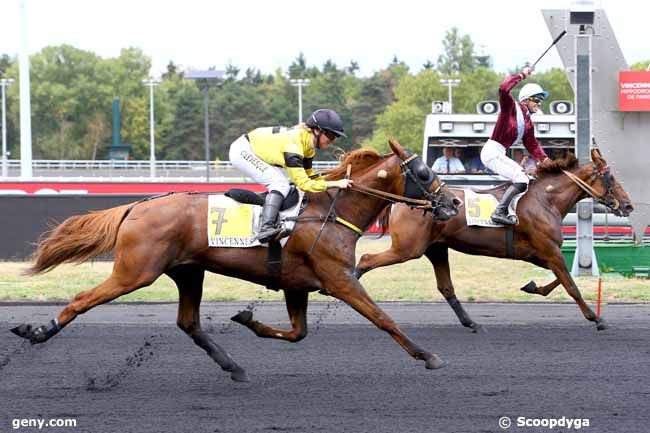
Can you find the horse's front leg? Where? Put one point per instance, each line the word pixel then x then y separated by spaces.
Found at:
pixel 349 290
pixel 555 262
pixel 297 309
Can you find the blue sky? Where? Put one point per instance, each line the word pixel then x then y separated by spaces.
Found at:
pixel 270 34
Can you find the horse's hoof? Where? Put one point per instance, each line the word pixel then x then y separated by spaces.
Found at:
pixel 434 362
pixel 531 288
pixel 39 335
pixel 242 317
pixel 24 331
pixel 358 273
pixel 477 329
pixel 602 325
pixel 239 375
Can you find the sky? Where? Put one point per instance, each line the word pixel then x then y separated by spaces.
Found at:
pixel 267 35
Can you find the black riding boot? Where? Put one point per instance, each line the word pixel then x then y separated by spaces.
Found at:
pixel 500 215
pixel 270 229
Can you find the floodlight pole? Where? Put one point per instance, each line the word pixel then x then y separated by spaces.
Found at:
pixel 206 126
pixel 300 83
pixel 152 137
pixel 26 172
pixel 450 82
pixel 203 77
pixel 584 261
pixel 4 83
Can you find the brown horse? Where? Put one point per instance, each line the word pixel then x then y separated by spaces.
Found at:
pixel 537 237
pixel 169 235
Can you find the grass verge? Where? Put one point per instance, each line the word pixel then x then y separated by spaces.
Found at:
pixel 475 278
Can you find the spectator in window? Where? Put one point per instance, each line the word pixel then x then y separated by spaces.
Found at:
pixel 558 154
pixel 475 165
pixel 524 161
pixel 448 163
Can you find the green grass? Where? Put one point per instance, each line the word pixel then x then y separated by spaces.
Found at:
pixel 475 278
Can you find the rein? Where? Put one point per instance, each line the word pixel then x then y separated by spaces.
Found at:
pixel 394 198
pixel 390 197
pixel 329 212
pixel 601 198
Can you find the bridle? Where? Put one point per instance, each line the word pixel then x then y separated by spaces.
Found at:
pixel 432 201
pixel 603 172
pixel 431 204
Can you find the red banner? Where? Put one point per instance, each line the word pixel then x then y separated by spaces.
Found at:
pixel 634 91
pixel 76 188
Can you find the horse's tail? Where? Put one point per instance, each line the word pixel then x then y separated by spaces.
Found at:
pixel 78 239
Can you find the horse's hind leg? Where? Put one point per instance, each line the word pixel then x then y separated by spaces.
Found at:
pixel 297 309
pixel 408 241
pixel 110 289
pixel 534 289
pixel 189 281
pixel 368 262
pixel 438 255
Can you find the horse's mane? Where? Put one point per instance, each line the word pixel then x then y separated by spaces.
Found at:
pixel 360 159
pixel 556 166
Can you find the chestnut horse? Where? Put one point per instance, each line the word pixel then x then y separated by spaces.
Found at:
pixel 537 237
pixel 169 235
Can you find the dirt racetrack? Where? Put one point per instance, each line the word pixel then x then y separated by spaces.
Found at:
pixel 127 368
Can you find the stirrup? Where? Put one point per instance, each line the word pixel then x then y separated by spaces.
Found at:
pixel 503 218
pixel 270 234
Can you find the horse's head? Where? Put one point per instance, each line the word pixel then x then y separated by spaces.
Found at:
pixel 613 195
pixel 421 182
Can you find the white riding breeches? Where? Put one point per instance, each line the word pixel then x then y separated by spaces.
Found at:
pixel 242 157
pixel 493 156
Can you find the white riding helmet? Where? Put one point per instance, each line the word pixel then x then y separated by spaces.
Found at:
pixel 532 89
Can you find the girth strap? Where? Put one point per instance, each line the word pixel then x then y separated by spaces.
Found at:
pixel 510 242
pixel 331 218
pixel 274 265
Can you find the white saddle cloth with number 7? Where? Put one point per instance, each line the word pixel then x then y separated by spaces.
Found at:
pixel 235 225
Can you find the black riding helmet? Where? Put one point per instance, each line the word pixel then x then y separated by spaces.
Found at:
pixel 326 120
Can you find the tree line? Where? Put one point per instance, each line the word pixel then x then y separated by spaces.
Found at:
pixel 72 92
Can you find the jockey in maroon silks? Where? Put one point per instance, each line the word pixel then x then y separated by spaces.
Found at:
pixel 513 126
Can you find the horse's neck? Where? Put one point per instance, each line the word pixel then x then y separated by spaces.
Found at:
pixel 362 209
pixel 566 193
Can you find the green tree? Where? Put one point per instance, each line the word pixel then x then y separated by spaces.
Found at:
pixel 643 65
pixel 459 53
pixel 479 85
pixel 5 64
pixel 182 128
pixel 404 119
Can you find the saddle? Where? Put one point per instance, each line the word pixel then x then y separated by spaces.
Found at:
pixel 480 203
pixel 249 197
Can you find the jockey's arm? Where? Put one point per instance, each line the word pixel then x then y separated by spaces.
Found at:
pixel 532 145
pixel 505 100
